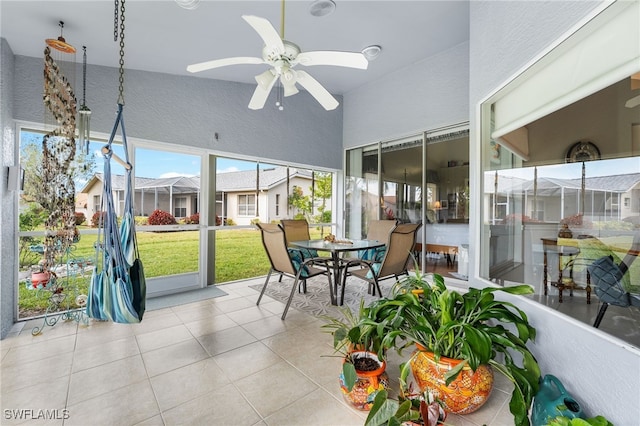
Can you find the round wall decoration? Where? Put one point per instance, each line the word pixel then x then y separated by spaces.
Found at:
pixel 582 151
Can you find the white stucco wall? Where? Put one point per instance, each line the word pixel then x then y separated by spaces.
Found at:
pixel 602 372
pixel 428 95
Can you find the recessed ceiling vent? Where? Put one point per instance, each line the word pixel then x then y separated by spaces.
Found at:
pixel 322 7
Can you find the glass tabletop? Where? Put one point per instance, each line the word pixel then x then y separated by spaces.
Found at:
pixel 345 245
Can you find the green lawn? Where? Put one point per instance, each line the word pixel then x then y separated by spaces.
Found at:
pixel 239 255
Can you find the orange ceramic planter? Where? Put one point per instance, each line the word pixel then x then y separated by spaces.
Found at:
pixel 368 384
pixel 40 279
pixel 468 392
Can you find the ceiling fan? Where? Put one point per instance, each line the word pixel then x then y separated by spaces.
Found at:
pixel 283 55
pixel 635 84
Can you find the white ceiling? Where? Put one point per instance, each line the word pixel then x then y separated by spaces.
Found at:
pixel 160 36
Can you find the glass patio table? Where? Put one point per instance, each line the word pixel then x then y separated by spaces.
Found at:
pixel 335 249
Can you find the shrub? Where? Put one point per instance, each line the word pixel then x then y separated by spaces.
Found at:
pixel 230 222
pixel 95 219
pixel 194 219
pixel 256 220
pixel 325 217
pixel 160 217
pixel 141 220
pixel 80 218
pixel 32 217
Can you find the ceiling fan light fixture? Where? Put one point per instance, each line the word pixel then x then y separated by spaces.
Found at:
pixel 371 52
pixel 188 4
pixel 321 8
pixel 265 79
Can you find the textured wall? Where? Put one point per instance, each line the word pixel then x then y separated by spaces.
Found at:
pixel 8 273
pixel 189 110
pixel 602 372
pixel 430 94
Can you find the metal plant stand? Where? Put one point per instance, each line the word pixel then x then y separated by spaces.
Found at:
pixel 65 301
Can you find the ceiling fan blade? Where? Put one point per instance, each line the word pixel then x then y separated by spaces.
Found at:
pixel 203 66
pixel 316 90
pixel 633 102
pixel 266 31
pixel 328 57
pixel 261 93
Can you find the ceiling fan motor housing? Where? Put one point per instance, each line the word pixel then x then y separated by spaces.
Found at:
pixel 272 54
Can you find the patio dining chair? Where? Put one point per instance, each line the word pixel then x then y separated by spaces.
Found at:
pixel 378 230
pixel 394 263
pixel 298 230
pixel 613 283
pixel 282 262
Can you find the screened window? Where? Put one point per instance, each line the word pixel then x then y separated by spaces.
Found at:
pixel 180 209
pixel 247 205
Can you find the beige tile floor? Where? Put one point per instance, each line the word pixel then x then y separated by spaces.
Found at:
pixel 222 361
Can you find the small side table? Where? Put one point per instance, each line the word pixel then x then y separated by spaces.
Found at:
pixel 550 245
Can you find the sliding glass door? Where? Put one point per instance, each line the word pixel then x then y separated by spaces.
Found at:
pixel 421 179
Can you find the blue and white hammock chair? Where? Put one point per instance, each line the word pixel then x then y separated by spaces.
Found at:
pixel 117 290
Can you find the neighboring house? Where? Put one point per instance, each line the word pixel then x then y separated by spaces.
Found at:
pixel 608 198
pixel 81 204
pixel 236 194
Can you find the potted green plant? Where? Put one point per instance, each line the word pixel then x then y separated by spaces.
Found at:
pixel 363 370
pixel 413 408
pixel 419 411
pixel 467 329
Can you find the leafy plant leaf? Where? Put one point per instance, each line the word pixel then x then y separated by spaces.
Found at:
pixel 381 410
pixel 350 376
pixel 453 373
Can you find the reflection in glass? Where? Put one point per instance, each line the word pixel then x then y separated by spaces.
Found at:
pixel 550 223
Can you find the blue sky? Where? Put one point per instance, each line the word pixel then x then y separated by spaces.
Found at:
pixel 159 164
pixel 616 166
pixel 152 163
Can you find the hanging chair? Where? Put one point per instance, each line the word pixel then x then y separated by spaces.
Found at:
pixel 117 289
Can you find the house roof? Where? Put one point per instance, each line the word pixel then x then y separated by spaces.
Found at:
pixel 246 180
pixel 226 182
pixel 546 186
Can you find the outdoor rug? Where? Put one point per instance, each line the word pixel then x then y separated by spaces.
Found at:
pixel 316 300
pixel 183 298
